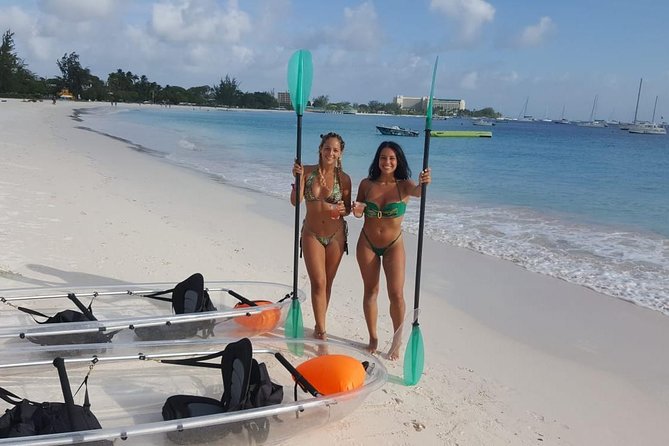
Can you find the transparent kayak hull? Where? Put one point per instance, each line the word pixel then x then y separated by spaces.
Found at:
pixel 128 386
pixel 124 313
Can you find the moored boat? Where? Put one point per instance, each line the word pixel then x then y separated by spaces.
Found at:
pixel 396 131
pixel 482 122
pixel 144 312
pixel 647 128
pixel 166 393
pixel 593 122
pixel 596 124
pixel 461 133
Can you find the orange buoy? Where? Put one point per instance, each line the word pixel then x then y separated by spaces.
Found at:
pixel 266 320
pixel 333 373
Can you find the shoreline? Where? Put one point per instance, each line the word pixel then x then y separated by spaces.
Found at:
pixel 512 357
pixel 623 261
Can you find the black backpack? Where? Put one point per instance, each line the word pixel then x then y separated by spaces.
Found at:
pixel 28 418
pixel 84 315
pixel 246 385
pixel 188 296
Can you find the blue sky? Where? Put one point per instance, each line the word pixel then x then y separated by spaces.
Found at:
pixel 491 53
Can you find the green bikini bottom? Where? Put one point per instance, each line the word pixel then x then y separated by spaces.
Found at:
pixel 380 251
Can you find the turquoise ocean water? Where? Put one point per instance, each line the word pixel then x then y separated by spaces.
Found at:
pixel 587 205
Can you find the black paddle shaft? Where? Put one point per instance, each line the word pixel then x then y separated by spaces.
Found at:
pixel 298 183
pixel 421 225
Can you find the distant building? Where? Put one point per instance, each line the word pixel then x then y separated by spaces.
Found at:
pixel 283 97
pixel 409 103
pixel 419 104
pixel 448 105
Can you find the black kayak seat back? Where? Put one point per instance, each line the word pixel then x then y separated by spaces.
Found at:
pixel 236 365
pixel 190 296
pixel 236 370
pixel 246 385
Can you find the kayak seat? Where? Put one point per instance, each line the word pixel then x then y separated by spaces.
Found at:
pixel 246 385
pixel 188 296
pixel 236 362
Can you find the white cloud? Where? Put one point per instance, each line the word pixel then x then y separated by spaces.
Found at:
pixel 191 21
pixel 361 30
pixel 470 81
pixel 510 77
pixel 143 43
pixel 31 44
pixel 535 35
pixel 15 19
pixel 78 10
pixel 470 15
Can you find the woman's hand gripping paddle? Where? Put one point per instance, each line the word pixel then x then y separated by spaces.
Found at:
pixel 414 357
pixel 300 74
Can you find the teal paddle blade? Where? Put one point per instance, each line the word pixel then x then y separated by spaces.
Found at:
pixel 295 327
pixel 300 75
pixel 294 324
pixel 428 116
pixel 414 357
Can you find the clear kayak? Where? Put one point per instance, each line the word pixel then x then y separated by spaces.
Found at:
pixel 130 386
pixel 142 312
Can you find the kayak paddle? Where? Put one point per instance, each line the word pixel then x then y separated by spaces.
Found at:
pixel 414 356
pixel 300 74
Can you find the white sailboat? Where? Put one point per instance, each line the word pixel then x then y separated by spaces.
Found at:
pixel 647 128
pixel 626 125
pixel 562 120
pixel 523 116
pixel 593 122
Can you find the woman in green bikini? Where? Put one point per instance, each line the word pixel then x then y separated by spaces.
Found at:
pixel 326 189
pixel 382 199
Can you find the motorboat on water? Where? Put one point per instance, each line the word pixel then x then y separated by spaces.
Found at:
pixel 597 124
pixel 396 131
pixel 482 122
pixel 263 390
pixel 141 312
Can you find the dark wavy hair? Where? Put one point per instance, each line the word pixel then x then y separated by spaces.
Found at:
pixel 402 172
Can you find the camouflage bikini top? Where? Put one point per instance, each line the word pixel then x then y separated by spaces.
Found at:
pixel 334 197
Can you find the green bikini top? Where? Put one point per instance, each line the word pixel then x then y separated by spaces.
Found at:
pixel 390 210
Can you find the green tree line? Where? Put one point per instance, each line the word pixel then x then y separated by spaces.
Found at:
pixel 16 80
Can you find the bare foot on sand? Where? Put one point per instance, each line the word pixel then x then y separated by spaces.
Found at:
pixel 320 334
pixel 394 352
pixel 323 336
pixel 373 345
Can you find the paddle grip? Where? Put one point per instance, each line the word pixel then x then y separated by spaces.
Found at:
pixel 301 380
pixel 59 363
pixel 242 299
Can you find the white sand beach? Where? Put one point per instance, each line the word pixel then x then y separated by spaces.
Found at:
pixel 512 357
